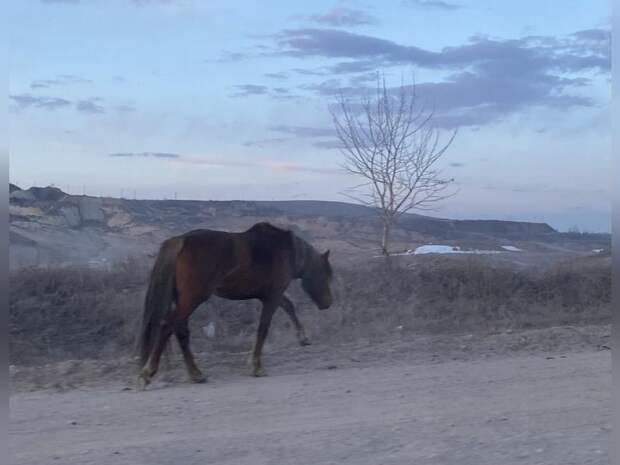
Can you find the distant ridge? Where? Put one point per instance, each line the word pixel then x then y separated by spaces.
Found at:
pixel 49 226
pixel 426 224
pixel 440 227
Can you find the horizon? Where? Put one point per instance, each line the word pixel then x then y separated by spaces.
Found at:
pixel 426 214
pixel 223 101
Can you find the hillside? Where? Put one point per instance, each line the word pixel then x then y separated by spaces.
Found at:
pixel 48 226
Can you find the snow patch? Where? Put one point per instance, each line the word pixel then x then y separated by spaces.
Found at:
pixel 449 249
pixel 424 249
pixel 442 249
pixel 511 248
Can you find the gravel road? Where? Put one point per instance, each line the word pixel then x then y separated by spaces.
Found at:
pixel 522 408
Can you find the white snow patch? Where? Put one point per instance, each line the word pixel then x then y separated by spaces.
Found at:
pixel 598 250
pixel 423 249
pixel 448 249
pixel 441 249
pixel 511 248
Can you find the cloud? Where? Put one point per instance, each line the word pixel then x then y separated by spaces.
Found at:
pixel 471 99
pixel 247 90
pixel 358 66
pixel 304 131
pixel 48 103
pixel 225 163
pixel 329 144
pixel 269 164
pixel 334 43
pixel 145 155
pixel 154 2
pixel 308 72
pixel 90 106
pixel 229 57
pixel 329 87
pixel 570 54
pixel 436 4
pixel 263 142
pixel 339 17
pixel 125 109
pixel 135 2
pixel 43 84
pixel 60 80
pixel 490 78
pixel 595 35
pixel 363 78
pixel 296 132
pixel 280 75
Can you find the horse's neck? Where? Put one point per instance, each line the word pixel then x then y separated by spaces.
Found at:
pixel 304 254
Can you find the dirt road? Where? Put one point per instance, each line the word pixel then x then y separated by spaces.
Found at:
pixel 528 408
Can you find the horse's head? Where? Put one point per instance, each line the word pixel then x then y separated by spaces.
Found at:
pixel 316 279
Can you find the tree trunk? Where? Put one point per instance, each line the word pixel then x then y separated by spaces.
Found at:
pixel 385 238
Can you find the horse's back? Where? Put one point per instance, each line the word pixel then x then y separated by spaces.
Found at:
pixel 207 247
pixel 261 245
pixel 267 242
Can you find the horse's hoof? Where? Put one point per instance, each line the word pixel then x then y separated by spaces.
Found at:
pixel 259 372
pixel 143 382
pixel 305 342
pixel 199 379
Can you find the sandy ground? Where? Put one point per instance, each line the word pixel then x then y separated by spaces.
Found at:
pixel 469 401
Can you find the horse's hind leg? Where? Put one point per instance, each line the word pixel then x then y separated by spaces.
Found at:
pixel 152 365
pixel 269 307
pixel 186 304
pixel 182 334
pixel 289 308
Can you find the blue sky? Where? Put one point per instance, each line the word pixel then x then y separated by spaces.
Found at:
pixel 229 100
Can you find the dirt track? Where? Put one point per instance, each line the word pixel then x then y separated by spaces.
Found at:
pixel 526 408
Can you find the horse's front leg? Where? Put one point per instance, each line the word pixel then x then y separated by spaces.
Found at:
pixel 289 308
pixel 269 307
pixel 182 333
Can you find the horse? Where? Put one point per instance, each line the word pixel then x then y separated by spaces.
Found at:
pixel 258 263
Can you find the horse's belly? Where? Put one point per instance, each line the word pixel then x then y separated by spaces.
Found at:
pixel 242 288
pixel 235 294
pixel 246 284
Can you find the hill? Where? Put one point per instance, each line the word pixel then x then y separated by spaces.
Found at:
pixel 48 226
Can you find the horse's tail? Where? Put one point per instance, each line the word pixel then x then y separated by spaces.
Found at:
pixel 159 296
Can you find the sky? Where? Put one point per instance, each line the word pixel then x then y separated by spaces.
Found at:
pixel 230 100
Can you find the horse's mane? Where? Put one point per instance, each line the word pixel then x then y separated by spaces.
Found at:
pixel 267 228
pixel 266 239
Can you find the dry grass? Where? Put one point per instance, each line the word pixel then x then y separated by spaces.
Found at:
pixel 446 294
pixel 65 313
pixel 73 312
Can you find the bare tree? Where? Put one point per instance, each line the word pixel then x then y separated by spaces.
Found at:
pixel 389 140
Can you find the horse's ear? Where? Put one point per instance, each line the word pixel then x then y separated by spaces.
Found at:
pixel 326 255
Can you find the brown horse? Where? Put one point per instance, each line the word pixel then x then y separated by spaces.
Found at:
pixel 258 264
